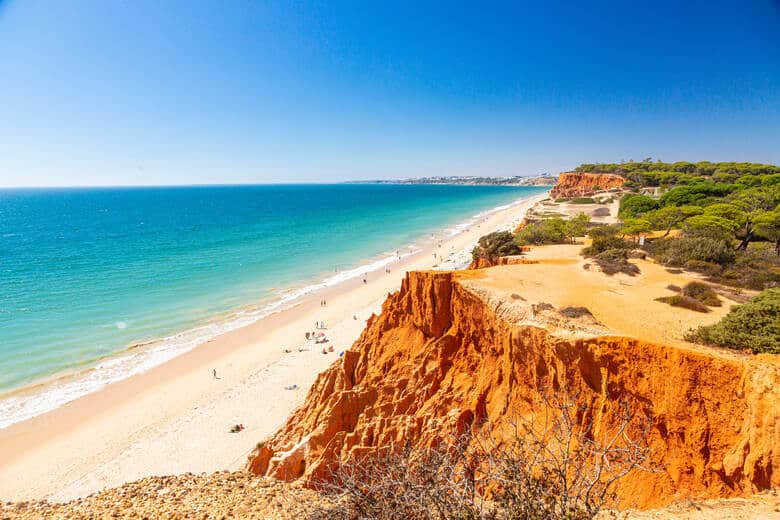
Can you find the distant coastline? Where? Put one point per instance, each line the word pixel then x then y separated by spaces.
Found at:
pixel 517 180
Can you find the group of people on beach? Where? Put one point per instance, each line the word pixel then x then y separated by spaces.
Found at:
pixel 319 337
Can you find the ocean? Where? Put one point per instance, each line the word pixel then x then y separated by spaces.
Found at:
pixel 86 274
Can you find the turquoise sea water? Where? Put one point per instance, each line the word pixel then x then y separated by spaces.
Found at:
pixel 84 273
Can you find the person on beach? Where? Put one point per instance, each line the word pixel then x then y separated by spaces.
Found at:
pixel 214 373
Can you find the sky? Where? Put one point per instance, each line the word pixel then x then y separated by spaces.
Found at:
pixel 112 92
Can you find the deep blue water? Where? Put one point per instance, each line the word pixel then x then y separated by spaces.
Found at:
pixel 86 272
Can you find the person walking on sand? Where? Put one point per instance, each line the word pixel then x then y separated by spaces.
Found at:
pixel 214 373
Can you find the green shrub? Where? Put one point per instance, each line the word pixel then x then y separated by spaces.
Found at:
pixel 753 269
pixel 710 224
pixel 696 194
pixel 547 231
pixel 604 231
pixel 553 230
pixel 583 200
pixel 633 205
pixel 686 302
pixel 605 238
pixel 706 268
pixel 701 292
pixel 757 268
pixel 677 251
pixel 754 325
pixel 494 245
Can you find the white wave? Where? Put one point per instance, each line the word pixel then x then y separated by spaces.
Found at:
pixel 24 405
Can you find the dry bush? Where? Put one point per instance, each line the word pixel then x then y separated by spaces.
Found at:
pixel 701 292
pixel 549 466
pixel 614 261
pixel 686 302
pixel 575 312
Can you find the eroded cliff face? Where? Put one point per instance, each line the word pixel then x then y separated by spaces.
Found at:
pixel 574 184
pixel 439 358
pixel 482 263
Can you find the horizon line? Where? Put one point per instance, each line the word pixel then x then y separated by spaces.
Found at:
pixel 228 184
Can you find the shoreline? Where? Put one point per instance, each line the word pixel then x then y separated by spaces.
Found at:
pixel 174 417
pixel 57 389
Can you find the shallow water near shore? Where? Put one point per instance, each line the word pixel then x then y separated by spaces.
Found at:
pixel 87 273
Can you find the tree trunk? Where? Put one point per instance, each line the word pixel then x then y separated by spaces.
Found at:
pixel 673 223
pixel 748 237
pixel 668 230
pixel 745 241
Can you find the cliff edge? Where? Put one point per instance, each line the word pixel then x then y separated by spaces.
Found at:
pixel 443 356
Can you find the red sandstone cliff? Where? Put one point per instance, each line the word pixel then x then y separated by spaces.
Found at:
pixel 439 356
pixel 575 184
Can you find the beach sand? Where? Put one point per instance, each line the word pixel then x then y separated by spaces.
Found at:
pixel 176 417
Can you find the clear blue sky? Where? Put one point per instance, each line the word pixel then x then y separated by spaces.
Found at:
pixel 155 92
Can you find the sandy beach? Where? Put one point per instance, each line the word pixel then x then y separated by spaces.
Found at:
pixel 176 417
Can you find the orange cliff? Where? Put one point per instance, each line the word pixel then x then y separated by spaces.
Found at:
pixel 575 184
pixel 440 355
pixel 482 263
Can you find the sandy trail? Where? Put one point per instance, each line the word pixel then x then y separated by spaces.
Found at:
pixel 176 417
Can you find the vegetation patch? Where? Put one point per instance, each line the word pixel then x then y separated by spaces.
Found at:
pixel 604 238
pixel 686 302
pixel 712 248
pixel 613 261
pixel 575 312
pixel 553 230
pixel 633 205
pixel 583 200
pixel 495 245
pixel 701 292
pixel 757 268
pixel 754 325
